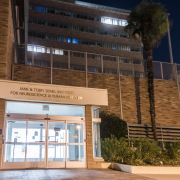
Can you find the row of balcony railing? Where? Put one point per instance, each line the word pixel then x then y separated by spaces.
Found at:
pixel 93 63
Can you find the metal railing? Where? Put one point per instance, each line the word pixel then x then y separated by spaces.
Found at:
pixel 96 63
pixel 164 133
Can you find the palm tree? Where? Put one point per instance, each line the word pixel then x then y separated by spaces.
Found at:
pixel 149 21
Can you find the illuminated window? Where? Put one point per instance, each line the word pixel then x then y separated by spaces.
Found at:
pixel 75 41
pixel 112 21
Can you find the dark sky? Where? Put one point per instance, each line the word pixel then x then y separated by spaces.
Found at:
pixel 173 7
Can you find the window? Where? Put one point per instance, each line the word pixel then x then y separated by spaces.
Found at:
pixel 37 8
pixel 54 37
pixel 77 54
pixel 96 140
pixel 138 74
pixel 109 58
pixel 77 67
pixel 94 56
pixel 60 65
pixel 76 28
pixel 125 60
pixel 137 61
pixel 29 48
pixel 110 71
pixel 42 63
pixel 136 49
pixel 95 112
pixel 58 52
pixel 75 41
pixel 113 21
pixel 38 49
pixel 94 69
pixel 126 73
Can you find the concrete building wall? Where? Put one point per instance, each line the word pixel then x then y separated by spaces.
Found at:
pixel 135 102
pixel 7 39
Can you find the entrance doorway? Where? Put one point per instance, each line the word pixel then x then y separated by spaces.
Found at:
pixel 39 143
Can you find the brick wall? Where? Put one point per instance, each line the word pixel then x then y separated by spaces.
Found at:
pixel 91 163
pixel 7 39
pixel 135 102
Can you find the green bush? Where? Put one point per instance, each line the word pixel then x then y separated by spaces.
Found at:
pixel 115 150
pixel 112 125
pixel 139 152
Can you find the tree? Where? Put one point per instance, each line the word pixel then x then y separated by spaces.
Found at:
pixel 149 20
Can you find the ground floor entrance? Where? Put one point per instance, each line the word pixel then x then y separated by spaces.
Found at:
pixel 41 143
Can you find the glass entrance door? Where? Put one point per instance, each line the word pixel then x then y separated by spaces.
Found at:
pixel 40 144
pixel 66 145
pixel 56 145
pixel 75 145
pixel 25 144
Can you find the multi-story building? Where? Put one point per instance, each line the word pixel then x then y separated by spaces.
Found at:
pixel 61 62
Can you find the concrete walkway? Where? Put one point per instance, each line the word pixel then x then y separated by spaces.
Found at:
pixel 68 174
pixel 162 176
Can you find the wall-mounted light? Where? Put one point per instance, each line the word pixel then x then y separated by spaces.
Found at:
pixel 78 126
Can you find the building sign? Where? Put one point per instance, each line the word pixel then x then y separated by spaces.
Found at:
pixel 15 90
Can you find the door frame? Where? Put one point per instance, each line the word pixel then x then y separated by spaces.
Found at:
pixel 44 118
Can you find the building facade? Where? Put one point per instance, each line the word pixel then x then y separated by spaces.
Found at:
pixel 61 63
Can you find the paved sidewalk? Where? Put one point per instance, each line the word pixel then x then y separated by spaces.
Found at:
pixel 68 174
pixel 162 176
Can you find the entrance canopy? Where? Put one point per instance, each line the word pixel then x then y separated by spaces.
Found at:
pixel 15 90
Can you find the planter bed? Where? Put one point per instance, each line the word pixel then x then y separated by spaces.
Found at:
pixel 142 169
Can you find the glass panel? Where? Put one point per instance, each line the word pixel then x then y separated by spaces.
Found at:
pixel 16 131
pixel 96 139
pixel 75 153
pixel 167 71
pixel 56 153
pixel 157 70
pixel 74 133
pixel 36 131
pixel 95 112
pixel 35 152
pixel 56 132
pixel 178 72
pixel 15 153
pixel 58 110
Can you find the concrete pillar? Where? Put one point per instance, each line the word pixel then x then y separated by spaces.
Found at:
pixel 2 116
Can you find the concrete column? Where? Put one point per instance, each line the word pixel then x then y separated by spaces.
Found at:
pixel 86 70
pixel 51 60
pixel 26 14
pixel 33 56
pixel 2 116
pixel 102 62
pixel 69 60
pixel 120 98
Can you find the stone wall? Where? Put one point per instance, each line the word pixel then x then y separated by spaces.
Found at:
pixel 135 102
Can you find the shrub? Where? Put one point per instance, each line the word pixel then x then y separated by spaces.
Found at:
pixel 112 125
pixel 140 152
pixel 114 150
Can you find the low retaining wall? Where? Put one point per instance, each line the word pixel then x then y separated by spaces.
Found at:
pixel 142 169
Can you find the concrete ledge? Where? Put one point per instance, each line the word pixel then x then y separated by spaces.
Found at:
pixel 106 165
pixel 145 169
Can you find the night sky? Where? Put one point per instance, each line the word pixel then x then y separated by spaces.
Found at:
pixel 173 7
